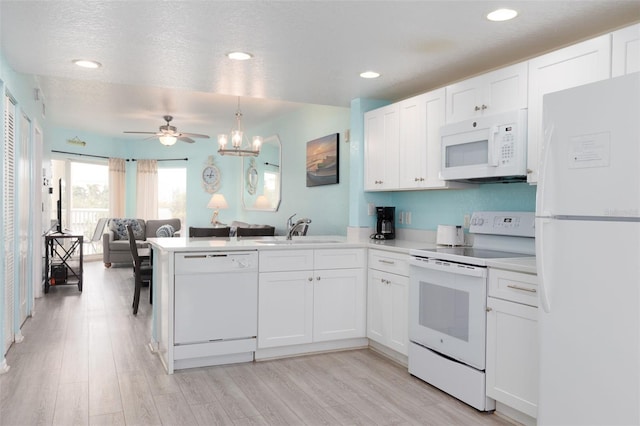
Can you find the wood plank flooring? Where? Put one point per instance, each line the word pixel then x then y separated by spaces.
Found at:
pixel 84 360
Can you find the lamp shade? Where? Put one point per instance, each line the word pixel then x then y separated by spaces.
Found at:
pixel 218 201
pixel 167 140
pixel 262 202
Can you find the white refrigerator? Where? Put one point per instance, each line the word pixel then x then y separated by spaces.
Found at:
pixel 588 255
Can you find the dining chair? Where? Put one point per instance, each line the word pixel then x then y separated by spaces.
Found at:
pixel 266 231
pixel 142 271
pixel 208 232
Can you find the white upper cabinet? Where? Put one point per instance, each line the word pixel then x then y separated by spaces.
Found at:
pixel 625 53
pixel 420 120
pixel 381 153
pixel 579 64
pixel 402 145
pixel 487 94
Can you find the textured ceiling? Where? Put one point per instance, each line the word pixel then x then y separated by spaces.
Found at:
pixel 168 57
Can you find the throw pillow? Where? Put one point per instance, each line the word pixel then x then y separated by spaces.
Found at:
pixel 165 231
pixel 119 227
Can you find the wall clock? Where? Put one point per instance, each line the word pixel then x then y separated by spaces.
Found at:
pixel 211 176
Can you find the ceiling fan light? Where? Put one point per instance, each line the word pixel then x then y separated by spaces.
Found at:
pixel 167 140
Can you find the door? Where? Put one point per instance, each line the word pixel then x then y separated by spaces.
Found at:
pixel 447 309
pixel 588 276
pixel 25 217
pixel 285 309
pixel 625 55
pixel 8 214
pixel 381 134
pixel 512 355
pixel 339 304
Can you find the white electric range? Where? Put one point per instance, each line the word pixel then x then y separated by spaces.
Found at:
pixel 448 300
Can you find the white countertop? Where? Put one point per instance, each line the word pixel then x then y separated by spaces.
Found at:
pixel 516 264
pixel 184 244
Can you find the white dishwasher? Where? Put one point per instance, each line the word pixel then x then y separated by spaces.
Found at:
pixel 216 301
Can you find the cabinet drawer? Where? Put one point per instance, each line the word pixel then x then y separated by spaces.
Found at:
pixel 395 263
pixel 513 286
pixel 339 258
pixel 286 260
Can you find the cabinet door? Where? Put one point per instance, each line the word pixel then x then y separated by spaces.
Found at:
pixel 377 295
pixel 583 63
pixel 398 313
pixel 339 304
pixel 491 93
pixel 625 54
pixel 381 133
pixel 420 120
pixel 285 308
pixel 512 355
pixel 387 310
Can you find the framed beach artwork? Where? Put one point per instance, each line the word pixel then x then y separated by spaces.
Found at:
pixel 323 160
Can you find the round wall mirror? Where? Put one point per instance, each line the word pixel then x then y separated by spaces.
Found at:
pixel 261 186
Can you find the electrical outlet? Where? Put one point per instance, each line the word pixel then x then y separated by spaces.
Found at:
pixel 371 209
pixel 467 221
pixel 407 218
pixel 401 218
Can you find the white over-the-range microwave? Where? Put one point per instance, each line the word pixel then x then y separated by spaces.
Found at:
pixel 485 149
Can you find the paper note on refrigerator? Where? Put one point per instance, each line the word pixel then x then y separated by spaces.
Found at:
pixel 589 150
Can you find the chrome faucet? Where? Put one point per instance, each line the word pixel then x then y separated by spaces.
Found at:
pixel 298 228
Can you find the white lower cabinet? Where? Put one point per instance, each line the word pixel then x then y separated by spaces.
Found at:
pixel 320 304
pixel 388 300
pixel 285 308
pixel 512 341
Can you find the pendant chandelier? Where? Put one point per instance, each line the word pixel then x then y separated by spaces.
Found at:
pixel 238 146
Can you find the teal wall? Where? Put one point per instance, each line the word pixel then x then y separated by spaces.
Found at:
pixel 327 206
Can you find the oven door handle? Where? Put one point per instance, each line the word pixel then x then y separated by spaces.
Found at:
pixel 449 267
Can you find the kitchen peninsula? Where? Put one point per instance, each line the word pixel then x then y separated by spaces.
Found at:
pixel 206 309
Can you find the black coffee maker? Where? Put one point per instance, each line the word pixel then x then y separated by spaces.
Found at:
pixel 386 223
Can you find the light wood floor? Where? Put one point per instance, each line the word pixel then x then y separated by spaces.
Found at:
pixel 84 360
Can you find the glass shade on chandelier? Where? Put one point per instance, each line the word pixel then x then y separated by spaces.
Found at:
pixel 240 146
pixel 167 140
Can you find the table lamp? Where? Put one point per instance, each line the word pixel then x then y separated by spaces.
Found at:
pixel 217 202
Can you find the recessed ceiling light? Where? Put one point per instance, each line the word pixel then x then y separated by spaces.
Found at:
pixel 502 15
pixel 239 56
pixel 85 63
pixel 369 74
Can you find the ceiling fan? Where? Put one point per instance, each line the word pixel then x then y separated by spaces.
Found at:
pixel 168 134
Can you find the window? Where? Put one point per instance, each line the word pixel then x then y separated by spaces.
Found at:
pixel 85 198
pixel 172 193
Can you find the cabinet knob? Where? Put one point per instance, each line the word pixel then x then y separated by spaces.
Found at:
pixel 318 278
pixel 477 108
pixel 529 171
pixel 310 278
pixel 484 107
pixel 489 309
pixel 421 179
pixel 416 179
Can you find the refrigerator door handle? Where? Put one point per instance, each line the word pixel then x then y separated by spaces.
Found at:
pixel 542 283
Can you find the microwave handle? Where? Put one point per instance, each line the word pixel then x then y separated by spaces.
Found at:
pixel 493 153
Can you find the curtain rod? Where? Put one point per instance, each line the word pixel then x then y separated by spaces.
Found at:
pixel 127 159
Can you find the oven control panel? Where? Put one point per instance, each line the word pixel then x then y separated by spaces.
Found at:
pixel 516 224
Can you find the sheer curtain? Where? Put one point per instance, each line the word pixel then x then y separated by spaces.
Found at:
pixel 117 171
pixel 147 190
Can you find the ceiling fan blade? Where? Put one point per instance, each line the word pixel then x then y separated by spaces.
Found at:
pixel 183 138
pixel 141 133
pixel 195 135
